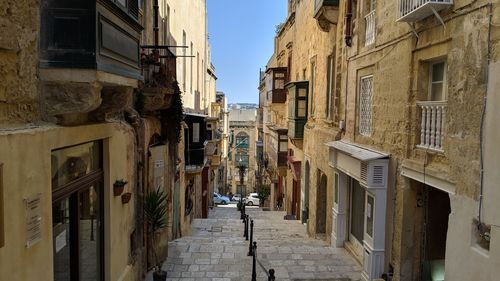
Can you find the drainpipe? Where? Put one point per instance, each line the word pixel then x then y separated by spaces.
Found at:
pixel 348 23
pixel 155 22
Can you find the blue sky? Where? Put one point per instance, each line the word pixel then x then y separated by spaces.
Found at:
pixel 242 35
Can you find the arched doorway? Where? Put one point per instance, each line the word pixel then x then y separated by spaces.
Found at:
pixel 321 203
pixel 305 209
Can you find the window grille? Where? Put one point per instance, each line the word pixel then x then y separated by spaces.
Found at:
pixel 365 105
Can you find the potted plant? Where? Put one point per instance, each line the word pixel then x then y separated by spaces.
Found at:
pixel 264 192
pixel 155 214
pixel 126 197
pixel 118 187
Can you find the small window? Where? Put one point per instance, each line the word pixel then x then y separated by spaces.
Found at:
pixel 365 105
pixel 369 214
pixel 196 132
pixel 330 85
pixel 311 92
pixel 337 188
pixel 437 83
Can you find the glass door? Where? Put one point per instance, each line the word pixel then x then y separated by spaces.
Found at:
pixel 356 217
pixel 77 213
pixel 77 236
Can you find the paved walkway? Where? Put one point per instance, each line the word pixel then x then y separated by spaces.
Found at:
pixel 217 250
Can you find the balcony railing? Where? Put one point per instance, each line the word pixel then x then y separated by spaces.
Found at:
pixel 370 28
pixel 414 10
pixel 432 124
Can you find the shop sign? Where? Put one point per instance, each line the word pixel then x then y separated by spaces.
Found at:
pixel 33 209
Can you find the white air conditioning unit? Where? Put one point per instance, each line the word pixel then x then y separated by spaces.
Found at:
pixel 374 173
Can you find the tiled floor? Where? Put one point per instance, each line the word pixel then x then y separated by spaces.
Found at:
pixel 217 250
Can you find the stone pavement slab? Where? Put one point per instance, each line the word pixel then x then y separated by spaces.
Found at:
pixel 217 250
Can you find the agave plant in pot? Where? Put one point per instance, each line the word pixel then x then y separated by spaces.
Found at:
pixel 155 214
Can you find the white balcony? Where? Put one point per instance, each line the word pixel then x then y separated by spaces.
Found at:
pixel 415 10
pixel 432 127
pixel 370 28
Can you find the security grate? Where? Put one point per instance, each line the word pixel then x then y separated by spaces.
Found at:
pixel 365 105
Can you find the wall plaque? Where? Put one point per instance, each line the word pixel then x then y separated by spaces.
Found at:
pixel 33 219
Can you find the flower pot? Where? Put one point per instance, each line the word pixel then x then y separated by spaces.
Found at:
pixel 126 197
pixel 118 189
pixel 159 275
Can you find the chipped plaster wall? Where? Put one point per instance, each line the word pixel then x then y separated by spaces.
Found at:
pixel 19 26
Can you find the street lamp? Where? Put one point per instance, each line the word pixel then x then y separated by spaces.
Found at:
pixel 241 169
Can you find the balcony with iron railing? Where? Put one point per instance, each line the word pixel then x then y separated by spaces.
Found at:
pixel 370 28
pixel 432 126
pixel 414 10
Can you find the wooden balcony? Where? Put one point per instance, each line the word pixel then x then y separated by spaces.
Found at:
pixel 432 126
pixel 326 12
pixel 89 58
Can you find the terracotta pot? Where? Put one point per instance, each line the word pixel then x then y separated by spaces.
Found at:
pixel 118 189
pixel 126 197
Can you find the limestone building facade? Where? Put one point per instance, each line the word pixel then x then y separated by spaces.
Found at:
pixel 397 151
pixel 242 150
pixel 77 120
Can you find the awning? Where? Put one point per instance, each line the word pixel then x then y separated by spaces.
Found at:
pixel 295 166
pixel 358 152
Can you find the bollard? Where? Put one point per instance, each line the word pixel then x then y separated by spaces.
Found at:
pixel 250 249
pixel 247 218
pixel 254 269
pixel 244 227
pixel 271 275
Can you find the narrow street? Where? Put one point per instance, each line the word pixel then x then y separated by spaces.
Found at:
pixel 217 249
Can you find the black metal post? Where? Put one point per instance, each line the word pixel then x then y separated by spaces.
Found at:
pixel 254 269
pixel 244 227
pixel 247 218
pixel 250 249
pixel 271 275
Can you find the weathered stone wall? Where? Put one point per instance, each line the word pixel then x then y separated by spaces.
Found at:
pixel 19 26
pixel 399 63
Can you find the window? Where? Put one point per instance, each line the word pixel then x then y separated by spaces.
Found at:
pixel 311 92
pixel 283 146
pixel 437 83
pixel 330 89
pixel 337 188
pixel 365 105
pixel 196 132
pixel 369 214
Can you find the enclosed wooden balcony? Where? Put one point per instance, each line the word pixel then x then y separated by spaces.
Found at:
pixel 275 82
pixel 89 58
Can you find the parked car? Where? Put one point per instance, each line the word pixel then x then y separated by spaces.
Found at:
pixel 252 199
pixel 219 199
pixel 236 197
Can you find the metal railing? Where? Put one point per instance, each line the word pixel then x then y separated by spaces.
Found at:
pixel 433 117
pixel 370 28
pixel 408 6
pixel 252 249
